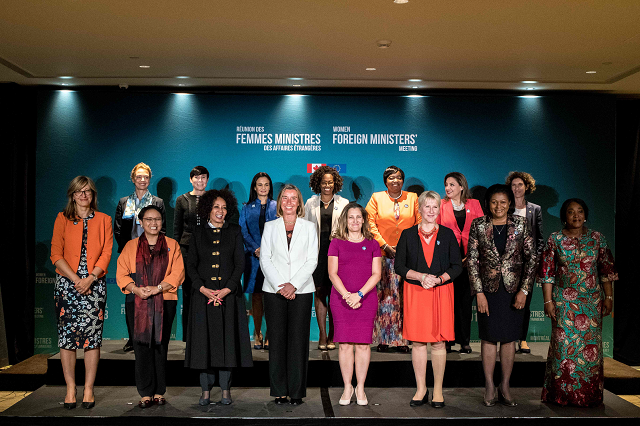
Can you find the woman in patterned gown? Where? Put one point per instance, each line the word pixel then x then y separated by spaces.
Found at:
pixel 577 274
pixel 391 212
pixel 81 250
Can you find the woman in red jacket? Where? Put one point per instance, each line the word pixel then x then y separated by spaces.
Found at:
pixel 81 250
pixel 457 211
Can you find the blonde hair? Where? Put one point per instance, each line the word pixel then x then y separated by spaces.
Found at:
pixel 77 184
pixel 140 166
pixel 342 226
pixel 300 208
pixel 428 194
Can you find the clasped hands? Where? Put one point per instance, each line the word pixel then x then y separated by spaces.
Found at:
pixel 287 290
pixel 83 285
pixel 428 281
pixel 353 300
pixel 214 296
pixel 145 292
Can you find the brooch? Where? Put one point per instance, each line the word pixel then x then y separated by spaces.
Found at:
pixel 437 242
pixel 335 208
pixel 406 206
pixel 468 210
pixel 364 247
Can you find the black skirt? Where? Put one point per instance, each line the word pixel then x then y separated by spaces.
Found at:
pixel 504 322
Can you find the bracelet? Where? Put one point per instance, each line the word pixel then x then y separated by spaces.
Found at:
pixel 422 277
pixel 384 246
pixel 360 294
pixel 441 280
pixel 548 301
pixel 346 295
pixel 609 297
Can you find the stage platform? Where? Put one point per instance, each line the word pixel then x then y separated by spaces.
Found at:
pixel 252 406
pixel 386 370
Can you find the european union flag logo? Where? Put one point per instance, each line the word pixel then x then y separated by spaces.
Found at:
pixel 341 168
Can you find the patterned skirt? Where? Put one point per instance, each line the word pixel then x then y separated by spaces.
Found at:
pixel 575 373
pixel 388 326
pixel 80 317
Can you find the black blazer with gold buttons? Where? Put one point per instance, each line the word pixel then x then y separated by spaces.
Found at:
pixel 216 258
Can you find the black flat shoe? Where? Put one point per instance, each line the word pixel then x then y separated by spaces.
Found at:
pixel 88 405
pixel 145 403
pixel 296 401
pixel 403 349
pixel 204 401
pixel 436 404
pixel 419 402
pixel 70 405
pixel 281 400
pixel 465 350
pixel 504 401
pixel 128 347
pixel 382 348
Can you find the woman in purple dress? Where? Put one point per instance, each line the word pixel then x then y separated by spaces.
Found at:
pixel 354 270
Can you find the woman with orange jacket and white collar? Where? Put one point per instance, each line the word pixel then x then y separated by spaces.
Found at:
pixel 151 268
pixel 457 211
pixel 81 250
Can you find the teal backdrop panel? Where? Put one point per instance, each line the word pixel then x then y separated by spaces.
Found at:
pixel 566 142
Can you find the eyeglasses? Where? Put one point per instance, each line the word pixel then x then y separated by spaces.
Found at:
pixel 152 219
pixel 85 192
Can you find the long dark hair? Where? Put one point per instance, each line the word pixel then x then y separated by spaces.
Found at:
pixel 253 194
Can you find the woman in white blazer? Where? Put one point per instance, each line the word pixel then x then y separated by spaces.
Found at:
pixel 324 209
pixel 288 257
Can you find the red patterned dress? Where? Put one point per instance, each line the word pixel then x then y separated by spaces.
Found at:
pixel 576 267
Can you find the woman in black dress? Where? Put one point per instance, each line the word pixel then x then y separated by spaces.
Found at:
pixel 185 220
pixel 218 334
pixel 502 262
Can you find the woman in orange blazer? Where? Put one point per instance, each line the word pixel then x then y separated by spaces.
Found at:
pixel 151 268
pixel 81 250
pixel 391 212
pixel 457 211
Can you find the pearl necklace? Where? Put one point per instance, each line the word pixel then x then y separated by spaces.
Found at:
pixel 356 241
pixel 394 198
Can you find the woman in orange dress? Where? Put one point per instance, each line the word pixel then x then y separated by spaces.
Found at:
pixel 391 212
pixel 428 260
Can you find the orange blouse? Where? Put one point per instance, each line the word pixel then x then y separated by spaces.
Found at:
pixel 384 226
pixel 173 276
pixel 427 248
pixel 66 242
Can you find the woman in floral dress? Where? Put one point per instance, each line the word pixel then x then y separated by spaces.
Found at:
pixel 577 274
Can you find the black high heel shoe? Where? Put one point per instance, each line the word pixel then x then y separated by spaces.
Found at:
pixel 419 402
pixel 70 405
pixel 88 405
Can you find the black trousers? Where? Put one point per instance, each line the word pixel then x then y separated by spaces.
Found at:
pixel 130 313
pixel 208 378
pixel 288 323
pixel 462 308
pixel 186 297
pixel 151 360
pixel 527 316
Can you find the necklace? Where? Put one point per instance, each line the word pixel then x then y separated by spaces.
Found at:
pixel 357 240
pixel 427 234
pixel 327 203
pixel 289 223
pixel 500 230
pixel 394 198
pixel 457 207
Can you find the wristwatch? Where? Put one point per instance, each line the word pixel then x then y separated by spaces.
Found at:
pixel 160 287
pixel 360 294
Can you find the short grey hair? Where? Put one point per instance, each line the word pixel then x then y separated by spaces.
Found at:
pixel 422 199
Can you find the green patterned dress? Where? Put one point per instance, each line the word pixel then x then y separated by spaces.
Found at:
pixel 576 267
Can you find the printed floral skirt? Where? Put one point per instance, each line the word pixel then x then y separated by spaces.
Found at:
pixel 80 317
pixel 574 374
pixel 388 325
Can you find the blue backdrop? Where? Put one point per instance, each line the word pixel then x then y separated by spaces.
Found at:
pixel 565 142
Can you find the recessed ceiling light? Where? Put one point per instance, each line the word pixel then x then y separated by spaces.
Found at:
pixel 529 82
pixel 530 88
pixel 529 96
pixel 182 76
pixel 414 87
pixel 182 94
pixel 296 78
pixel 296 85
pixel 64 84
pixel 591 72
pixel 296 94
pixel 414 79
pixel 65 77
pixel 180 84
pixel 383 44
pixel 144 66
pixel 400 1
pixel 370 69
pixel 415 96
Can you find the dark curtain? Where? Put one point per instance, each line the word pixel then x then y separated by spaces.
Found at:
pixel 626 324
pixel 18 136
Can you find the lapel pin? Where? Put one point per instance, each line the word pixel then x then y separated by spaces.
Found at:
pixel 468 210
pixel 406 206
pixel 364 247
pixel 438 242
